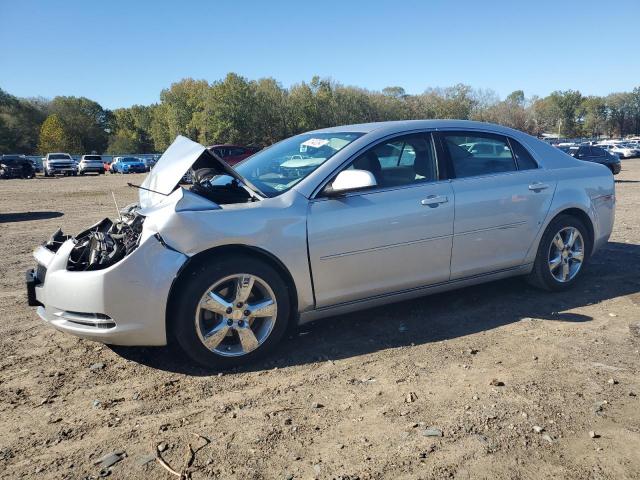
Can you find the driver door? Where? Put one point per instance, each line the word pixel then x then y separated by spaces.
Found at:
pixel 394 237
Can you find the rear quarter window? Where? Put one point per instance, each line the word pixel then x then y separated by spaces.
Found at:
pixel 523 158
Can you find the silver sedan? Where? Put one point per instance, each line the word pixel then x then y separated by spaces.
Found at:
pixel 320 224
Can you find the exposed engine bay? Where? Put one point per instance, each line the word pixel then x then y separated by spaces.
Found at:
pixel 104 244
pixel 109 241
pixel 219 188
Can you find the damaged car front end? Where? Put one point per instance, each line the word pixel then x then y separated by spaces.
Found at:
pixel 90 284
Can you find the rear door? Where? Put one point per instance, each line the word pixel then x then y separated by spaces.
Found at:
pixel 394 237
pixel 501 200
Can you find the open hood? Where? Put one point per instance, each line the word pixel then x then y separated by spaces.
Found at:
pixel 181 155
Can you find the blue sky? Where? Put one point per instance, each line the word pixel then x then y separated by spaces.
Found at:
pixel 124 52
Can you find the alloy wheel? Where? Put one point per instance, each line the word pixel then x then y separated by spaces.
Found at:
pixel 566 254
pixel 236 315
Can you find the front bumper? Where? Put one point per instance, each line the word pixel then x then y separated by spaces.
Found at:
pixel 91 169
pixel 124 304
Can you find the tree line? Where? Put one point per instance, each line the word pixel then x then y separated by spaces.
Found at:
pixel 261 112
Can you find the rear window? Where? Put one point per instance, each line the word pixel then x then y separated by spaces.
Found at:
pixel 476 154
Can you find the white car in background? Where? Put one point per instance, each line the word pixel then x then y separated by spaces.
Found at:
pixel 621 151
pixel 59 164
pixel 633 146
pixel 91 164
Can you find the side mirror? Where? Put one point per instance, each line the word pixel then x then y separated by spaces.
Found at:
pixel 349 181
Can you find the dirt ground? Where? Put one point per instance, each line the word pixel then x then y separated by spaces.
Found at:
pixel 518 381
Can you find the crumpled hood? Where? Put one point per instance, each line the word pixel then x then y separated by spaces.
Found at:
pixel 173 164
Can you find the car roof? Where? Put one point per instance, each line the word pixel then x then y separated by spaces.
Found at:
pixel 403 125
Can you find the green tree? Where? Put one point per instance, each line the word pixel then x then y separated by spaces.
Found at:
pixel 394 92
pixel 122 144
pixel 634 99
pixel 180 105
pixel 510 112
pixel 134 124
pixel 20 122
pixel 84 121
pixel 566 110
pixel 54 138
pixel 232 107
pixel 595 116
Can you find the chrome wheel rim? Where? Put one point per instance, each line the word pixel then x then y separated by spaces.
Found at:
pixel 566 254
pixel 236 315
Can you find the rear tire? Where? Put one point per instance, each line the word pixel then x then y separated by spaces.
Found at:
pixel 192 324
pixel 556 268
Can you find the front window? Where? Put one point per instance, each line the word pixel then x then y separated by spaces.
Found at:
pixel 400 161
pixel 59 156
pixel 278 168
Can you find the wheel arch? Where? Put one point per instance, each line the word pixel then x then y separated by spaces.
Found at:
pixel 581 215
pixel 226 250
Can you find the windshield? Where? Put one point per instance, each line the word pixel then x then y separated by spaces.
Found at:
pixel 92 157
pixel 129 160
pixel 59 156
pixel 278 168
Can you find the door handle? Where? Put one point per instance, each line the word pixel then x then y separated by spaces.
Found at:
pixel 537 186
pixel 434 200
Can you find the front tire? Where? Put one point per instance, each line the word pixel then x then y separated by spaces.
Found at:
pixel 562 254
pixel 229 312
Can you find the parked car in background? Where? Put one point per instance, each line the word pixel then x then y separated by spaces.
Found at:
pixel 149 163
pixel 596 155
pixel 16 166
pixel 127 165
pixel 36 165
pixel 233 154
pixel 223 267
pixel 621 151
pixel 59 164
pixel 91 164
pixel 633 146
